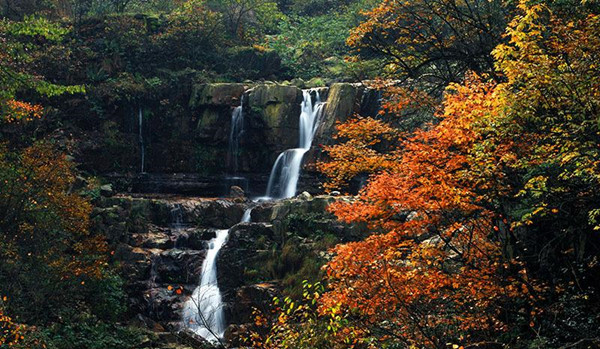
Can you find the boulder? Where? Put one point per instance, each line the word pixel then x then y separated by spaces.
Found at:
pixel 162 304
pixel 237 194
pixel 197 239
pixel 239 254
pixel 135 262
pixel 177 266
pixel 258 296
pixel 189 337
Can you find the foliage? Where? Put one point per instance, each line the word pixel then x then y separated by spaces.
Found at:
pixel 429 279
pixel 432 42
pixel 502 187
pixel 365 151
pixel 19 44
pixel 296 324
pixel 45 238
pixel 10 333
pixel 247 20
pixel 305 42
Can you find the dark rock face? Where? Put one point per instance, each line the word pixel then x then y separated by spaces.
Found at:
pixel 245 239
pixel 186 149
pixel 161 245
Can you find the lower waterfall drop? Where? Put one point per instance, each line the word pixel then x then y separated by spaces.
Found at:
pixel 203 312
pixel 283 180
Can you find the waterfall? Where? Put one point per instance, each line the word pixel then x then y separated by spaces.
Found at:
pixel 203 312
pixel 141 138
pixel 247 217
pixel 285 173
pixel 237 127
pixel 176 216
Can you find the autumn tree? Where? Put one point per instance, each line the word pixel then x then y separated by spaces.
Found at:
pixel 296 324
pixel 431 43
pixel 10 333
pixel 45 240
pixel 503 185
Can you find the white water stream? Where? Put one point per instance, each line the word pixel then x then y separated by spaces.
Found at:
pixel 141 139
pixel 237 127
pixel 283 180
pixel 203 312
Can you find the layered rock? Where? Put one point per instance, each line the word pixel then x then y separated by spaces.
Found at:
pixel 161 242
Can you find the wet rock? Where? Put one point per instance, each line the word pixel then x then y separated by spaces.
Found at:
pixel 305 196
pixel 135 262
pixel 158 240
pixel 245 242
pixel 190 338
pixel 162 304
pixel 177 266
pixel 273 115
pixel 248 298
pixel 237 194
pixel 198 239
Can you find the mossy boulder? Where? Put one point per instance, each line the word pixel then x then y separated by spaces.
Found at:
pixel 273 112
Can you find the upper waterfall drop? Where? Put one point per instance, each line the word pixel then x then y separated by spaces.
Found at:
pixel 141 139
pixel 237 128
pixel 285 173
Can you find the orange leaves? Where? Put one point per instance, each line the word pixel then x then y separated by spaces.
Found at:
pixel 362 153
pixel 13 110
pixel 433 270
pixel 177 290
pixel 10 333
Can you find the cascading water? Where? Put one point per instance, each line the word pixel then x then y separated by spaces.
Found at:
pixel 141 138
pixel 283 180
pixel 237 127
pixel 203 312
pixel 233 151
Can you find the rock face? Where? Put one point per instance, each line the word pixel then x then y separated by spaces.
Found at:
pixel 160 244
pixel 272 113
pixel 216 95
pixel 186 149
